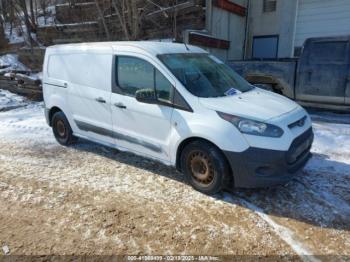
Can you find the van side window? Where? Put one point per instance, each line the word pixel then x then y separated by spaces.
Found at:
pixel 134 74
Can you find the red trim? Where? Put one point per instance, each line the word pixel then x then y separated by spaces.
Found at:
pixel 208 41
pixel 231 7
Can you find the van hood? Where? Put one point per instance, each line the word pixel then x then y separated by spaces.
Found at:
pixel 257 104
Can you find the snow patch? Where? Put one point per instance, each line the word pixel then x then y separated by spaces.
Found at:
pixel 10 62
pixel 14 37
pixel 284 233
pixel 9 100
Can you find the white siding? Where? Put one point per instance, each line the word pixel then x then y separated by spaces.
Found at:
pixel 281 23
pixel 227 26
pixel 317 18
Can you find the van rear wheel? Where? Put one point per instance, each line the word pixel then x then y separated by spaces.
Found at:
pixel 62 130
pixel 204 167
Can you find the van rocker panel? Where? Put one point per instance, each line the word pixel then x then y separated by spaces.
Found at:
pixel 104 132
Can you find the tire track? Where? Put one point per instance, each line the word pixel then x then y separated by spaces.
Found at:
pixel 25 127
pixel 283 232
pixel 328 199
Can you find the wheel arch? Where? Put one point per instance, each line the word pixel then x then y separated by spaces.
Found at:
pixel 278 85
pixel 53 111
pixel 55 103
pixel 189 140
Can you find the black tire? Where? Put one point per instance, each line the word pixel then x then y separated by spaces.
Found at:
pixel 205 167
pixel 62 130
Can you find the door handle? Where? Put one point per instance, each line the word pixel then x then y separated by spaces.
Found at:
pixel 120 105
pixel 100 100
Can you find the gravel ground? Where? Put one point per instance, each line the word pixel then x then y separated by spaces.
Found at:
pixel 89 199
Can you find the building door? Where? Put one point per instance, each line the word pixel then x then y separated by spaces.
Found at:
pixel 265 47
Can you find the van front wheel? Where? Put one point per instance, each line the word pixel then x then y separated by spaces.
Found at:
pixel 62 130
pixel 204 167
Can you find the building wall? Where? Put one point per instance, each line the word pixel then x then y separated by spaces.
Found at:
pixel 227 26
pixel 294 21
pixel 224 25
pixel 318 18
pixel 280 22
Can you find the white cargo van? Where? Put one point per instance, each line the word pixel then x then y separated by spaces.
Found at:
pixel 179 105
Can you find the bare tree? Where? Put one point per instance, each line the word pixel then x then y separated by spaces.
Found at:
pixel 12 16
pixel 32 15
pixel 129 17
pixel 23 13
pixel 43 6
pixel 103 20
pixel 2 31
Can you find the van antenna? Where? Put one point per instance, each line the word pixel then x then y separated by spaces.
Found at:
pixel 186 46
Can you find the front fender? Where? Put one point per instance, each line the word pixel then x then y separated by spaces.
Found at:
pixel 208 126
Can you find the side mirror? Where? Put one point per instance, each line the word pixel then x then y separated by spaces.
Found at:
pixel 147 96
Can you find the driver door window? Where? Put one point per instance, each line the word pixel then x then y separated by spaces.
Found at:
pixel 134 74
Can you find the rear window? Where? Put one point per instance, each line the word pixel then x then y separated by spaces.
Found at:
pixel 328 52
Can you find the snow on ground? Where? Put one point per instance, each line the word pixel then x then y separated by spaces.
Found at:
pixel 155 211
pixel 18 34
pixel 72 24
pixel 14 37
pixel 10 62
pixel 10 101
pixel 37 76
pixel 332 144
pixel 48 20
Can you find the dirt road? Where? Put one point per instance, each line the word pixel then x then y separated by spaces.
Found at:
pixel 89 199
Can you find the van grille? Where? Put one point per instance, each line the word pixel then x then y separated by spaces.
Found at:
pixel 300 146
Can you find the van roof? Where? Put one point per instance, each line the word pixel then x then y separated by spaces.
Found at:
pixel 154 48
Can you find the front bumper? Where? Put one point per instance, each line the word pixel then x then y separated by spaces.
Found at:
pixel 259 168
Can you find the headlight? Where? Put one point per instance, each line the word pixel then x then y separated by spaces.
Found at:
pixel 252 127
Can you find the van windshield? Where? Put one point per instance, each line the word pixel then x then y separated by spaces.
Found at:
pixel 204 75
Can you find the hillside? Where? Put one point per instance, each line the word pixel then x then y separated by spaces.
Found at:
pixel 28 29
